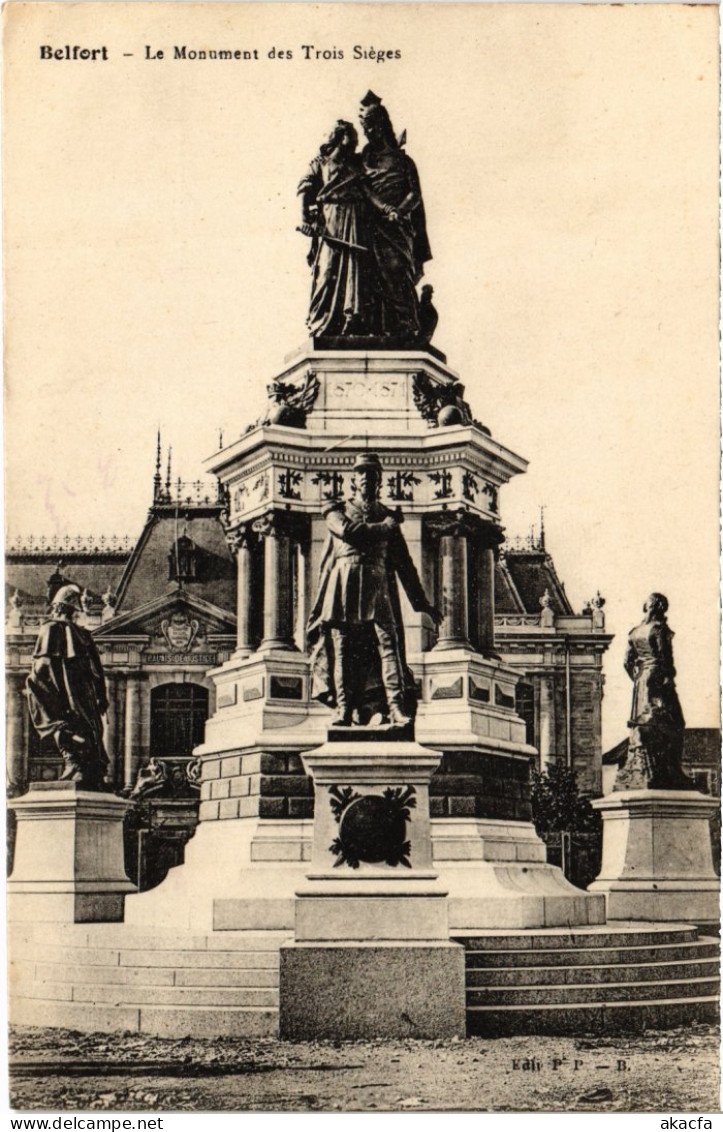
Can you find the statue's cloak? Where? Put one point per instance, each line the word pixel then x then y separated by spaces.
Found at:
pixel 68 692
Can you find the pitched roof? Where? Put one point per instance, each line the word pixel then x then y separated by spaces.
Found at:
pixel 140 575
pixel 28 573
pixel 146 573
pixel 522 576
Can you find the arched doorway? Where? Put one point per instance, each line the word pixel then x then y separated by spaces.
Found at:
pixel 178 716
pixel 163 820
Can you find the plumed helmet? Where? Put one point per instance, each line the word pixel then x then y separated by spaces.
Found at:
pixel 68 595
pixel 368 461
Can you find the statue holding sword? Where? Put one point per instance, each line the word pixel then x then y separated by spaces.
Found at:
pixel 365 218
pixel 336 214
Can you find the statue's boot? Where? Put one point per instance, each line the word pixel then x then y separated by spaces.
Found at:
pixel 392 676
pixel 72 771
pixel 398 717
pixel 343 716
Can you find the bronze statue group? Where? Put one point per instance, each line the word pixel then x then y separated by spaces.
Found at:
pixel 365 216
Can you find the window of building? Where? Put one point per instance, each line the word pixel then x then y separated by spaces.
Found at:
pixel 525 707
pixel 183 560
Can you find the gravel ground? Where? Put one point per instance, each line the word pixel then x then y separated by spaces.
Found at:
pixel 672 1071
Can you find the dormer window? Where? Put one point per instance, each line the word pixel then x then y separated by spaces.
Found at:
pixel 183 560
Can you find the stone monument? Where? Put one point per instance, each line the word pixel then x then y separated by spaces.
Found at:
pixel 365 772
pixel 364 776
pixel 69 843
pixel 657 861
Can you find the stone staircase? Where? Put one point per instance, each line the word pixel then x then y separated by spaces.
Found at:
pixel 115 977
pixel 111 977
pixel 584 980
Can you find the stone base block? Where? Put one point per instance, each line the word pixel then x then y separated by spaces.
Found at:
pixel 381 909
pixel 666 903
pixel 69 860
pixel 351 991
pixel 657 861
pixel 497 876
pixel 66 907
pixel 221 887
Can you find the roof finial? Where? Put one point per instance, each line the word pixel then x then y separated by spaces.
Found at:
pixel 542 526
pixel 168 473
pixel 157 476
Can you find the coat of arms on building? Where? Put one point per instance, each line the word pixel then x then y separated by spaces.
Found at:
pixel 179 631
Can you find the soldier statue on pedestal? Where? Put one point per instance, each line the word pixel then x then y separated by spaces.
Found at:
pixel 67 693
pixel 355 628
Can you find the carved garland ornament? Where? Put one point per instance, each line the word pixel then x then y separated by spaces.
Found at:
pixel 372 828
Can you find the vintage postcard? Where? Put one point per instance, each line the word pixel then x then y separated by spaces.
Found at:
pixel 362 608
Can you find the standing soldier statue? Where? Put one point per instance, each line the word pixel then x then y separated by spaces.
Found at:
pixel 355 628
pixel 67 694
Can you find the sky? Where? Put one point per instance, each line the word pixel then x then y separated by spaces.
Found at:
pixel 568 159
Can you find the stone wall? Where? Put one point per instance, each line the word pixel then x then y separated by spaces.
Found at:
pixel 274 785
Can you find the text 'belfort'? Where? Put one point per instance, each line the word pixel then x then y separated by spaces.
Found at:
pixel 76 53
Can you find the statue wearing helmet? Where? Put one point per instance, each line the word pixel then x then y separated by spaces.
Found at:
pixel 67 693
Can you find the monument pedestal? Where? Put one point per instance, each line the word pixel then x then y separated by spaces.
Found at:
pixel 657 861
pixel 70 867
pixel 371 955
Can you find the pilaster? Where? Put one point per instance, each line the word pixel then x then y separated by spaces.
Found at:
pixel 16 733
pixel 133 747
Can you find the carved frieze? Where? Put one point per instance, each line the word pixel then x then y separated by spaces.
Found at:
pixel 307 481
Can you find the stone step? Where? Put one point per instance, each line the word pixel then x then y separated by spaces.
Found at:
pixel 119 995
pixel 147 976
pixel 25 969
pixel 626 935
pixel 581 993
pixel 152 996
pixel 126 936
pixel 126 957
pixel 556 976
pixel 161 1021
pixel 605 956
pixel 590 1018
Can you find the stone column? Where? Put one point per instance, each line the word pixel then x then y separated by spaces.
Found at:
pixel 452 532
pixel 132 746
pixel 241 542
pixel 486 598
pixel 16 735
pixel 304 588
pixel 547 721
pixel 110 726
pixel 278 583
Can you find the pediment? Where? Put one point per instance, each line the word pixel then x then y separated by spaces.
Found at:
pixel 177 622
